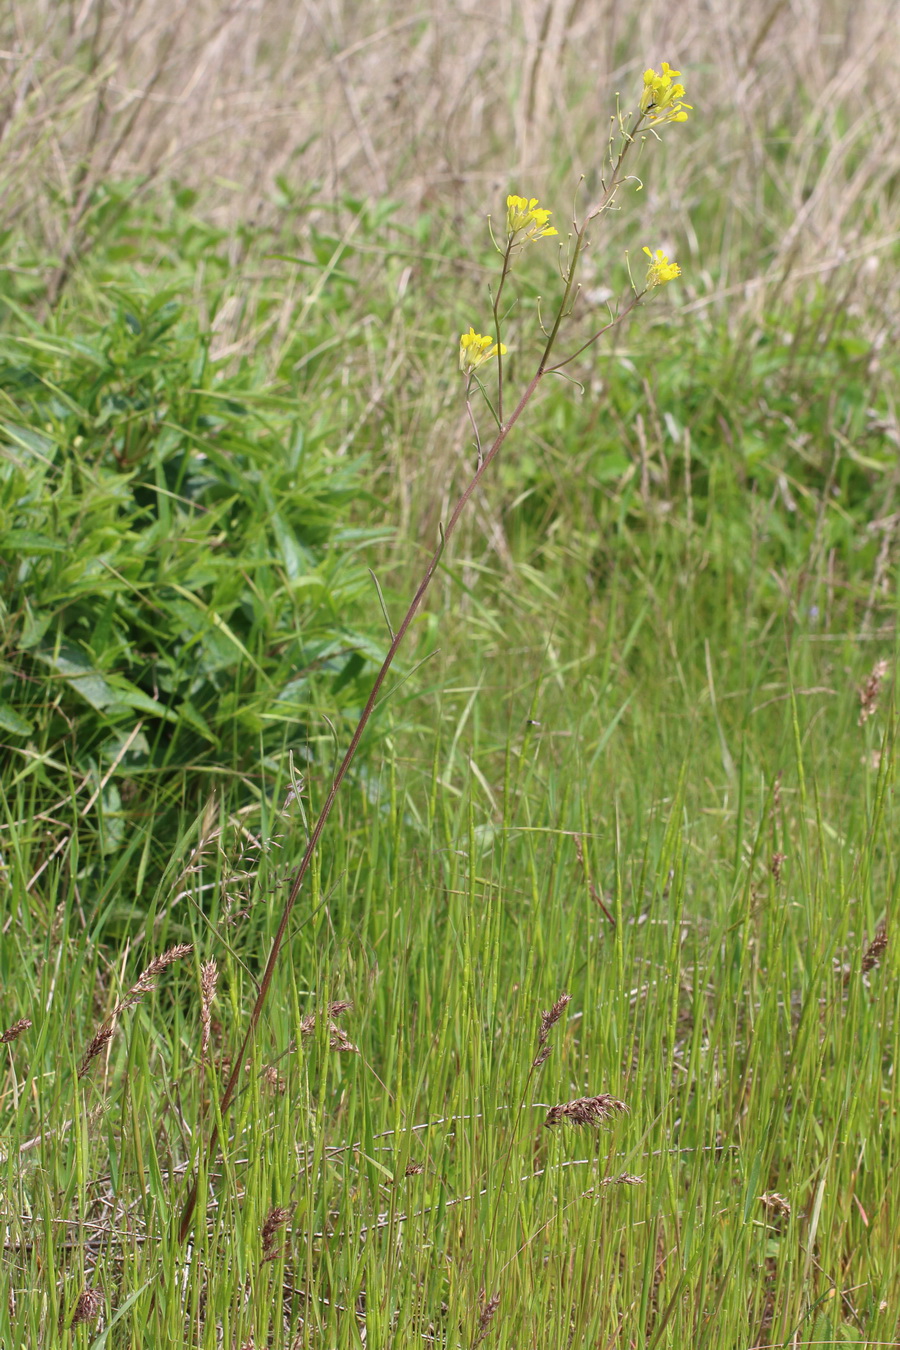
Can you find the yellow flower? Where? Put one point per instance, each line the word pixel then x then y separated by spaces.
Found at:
pixel 661 97
pixel 523 214
pixel 474 350
pixel 660 270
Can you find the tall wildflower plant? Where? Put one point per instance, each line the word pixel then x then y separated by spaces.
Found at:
pixel 527 224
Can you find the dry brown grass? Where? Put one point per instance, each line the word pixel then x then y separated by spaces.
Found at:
pixel 426 101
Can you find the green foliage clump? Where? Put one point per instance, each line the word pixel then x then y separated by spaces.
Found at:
pixel 178 577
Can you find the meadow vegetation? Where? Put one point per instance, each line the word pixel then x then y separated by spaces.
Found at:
pixel 585 1032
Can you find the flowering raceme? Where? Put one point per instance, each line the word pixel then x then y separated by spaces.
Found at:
pixel 660 269
pixel 661 99
pixel 475 349
pixel 522 213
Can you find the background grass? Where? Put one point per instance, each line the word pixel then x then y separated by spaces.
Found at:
pixel 624 757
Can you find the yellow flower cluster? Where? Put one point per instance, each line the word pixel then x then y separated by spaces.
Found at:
pixel 660 270
pixel 523 213
pixel 475 349
pixel 661 98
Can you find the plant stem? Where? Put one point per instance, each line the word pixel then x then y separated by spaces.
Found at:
pixel 504 429
pixel 237 1067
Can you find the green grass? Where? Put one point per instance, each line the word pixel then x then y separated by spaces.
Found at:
pixel 642 695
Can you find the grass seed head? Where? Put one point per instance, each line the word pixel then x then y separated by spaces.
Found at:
pixel 87 1309
pixel 551 1016
pixel 875 950
pixel 13 1032
pixel 273 1080
pixel 339 1040
pixel 274 1220
pixel 776 1204
pixel 549 1019
pixel 870 691
pixel 586 1110
pixel 209 978
pixel 145 981
pixel 96 1046
pixel 489 1308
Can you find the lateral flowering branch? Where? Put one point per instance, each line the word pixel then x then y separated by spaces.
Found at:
pixel 527 222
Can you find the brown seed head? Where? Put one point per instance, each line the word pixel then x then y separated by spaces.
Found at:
pixel 551 1016
pixel 776 1204
pixel 273 1080
pixel 145 981
pixel 586 1110
pixel 275 1219
pixel 339 1040
pixel 873 953
pixel 870 691
pixel 15 1030
pixel 489 1308
pixel 209 978
pixel 96 1046
pixel 87 1309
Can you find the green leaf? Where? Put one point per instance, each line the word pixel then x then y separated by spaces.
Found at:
pixel 75 669
pixel 11 721
pixel 29 543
